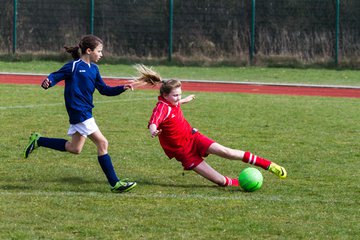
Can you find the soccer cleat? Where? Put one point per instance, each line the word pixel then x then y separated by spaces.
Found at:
pixel 277 170
pixel 123 186
pixel 32 144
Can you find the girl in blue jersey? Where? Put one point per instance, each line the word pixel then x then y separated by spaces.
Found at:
pixel 81 78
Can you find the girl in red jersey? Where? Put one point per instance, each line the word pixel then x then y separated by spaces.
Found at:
pixel 185 143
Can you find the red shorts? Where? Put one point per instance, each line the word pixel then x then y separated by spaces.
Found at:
pixel 193 153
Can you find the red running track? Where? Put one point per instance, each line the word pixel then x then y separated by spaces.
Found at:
pixel 215 87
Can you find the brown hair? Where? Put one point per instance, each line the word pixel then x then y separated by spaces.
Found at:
pixel 149 77
pixel 87 41
pixel 168 86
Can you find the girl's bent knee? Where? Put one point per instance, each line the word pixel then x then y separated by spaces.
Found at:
pixel 75 151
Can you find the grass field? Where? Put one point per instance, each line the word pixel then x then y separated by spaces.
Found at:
pixel 54 195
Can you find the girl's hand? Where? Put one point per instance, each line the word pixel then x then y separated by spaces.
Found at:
pixel 46 83
pixel 188 99
pixel 133 85
pixel 129 87
pixel 154 131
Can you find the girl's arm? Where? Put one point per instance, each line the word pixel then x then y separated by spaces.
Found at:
pixel 160 112
pixel 187 99
pixel 108 90
pixel 63 73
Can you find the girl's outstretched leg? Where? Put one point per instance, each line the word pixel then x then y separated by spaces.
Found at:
pixel 265 164
pixel 247 157
pixel 74 146
pixel 206 171
pixel 59 144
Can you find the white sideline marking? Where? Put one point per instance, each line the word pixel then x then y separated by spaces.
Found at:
pixel 31 106
pixel 135 195
pixel 242 196
pixel 63 104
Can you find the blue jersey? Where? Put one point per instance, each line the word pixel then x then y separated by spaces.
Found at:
pixel 81 79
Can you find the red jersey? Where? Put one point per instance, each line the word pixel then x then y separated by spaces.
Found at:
pixel 176 131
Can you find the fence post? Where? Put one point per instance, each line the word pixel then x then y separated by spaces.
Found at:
pixel 252 37
pixel 14 27
pixel 171 9
pixel 337 26
pixel 92 16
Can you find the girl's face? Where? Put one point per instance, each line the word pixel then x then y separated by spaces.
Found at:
pixel 174 96
pixel 96 54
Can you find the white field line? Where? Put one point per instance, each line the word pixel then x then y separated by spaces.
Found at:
pixel 63 104
pixel 133 195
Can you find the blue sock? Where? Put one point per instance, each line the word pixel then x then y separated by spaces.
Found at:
pixel 108 169
pixel 53 143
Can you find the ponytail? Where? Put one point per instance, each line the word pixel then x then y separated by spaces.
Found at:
pixel 74 51
pixel 147 75
pixel 150 77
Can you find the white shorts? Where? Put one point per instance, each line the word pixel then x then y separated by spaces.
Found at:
pixel 85 128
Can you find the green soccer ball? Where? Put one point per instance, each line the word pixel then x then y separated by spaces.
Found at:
pixel 250 179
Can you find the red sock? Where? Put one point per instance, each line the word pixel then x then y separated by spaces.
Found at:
pixel 235 182
pixel 231 182
pixel 255 160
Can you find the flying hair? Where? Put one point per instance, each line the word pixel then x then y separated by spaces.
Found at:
pixel 147 75
pixel 152 78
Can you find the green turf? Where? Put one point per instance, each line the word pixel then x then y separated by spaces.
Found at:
pixel 240 74
pixel 55 195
